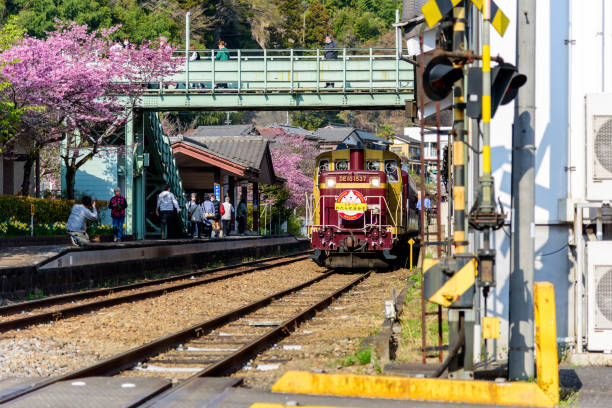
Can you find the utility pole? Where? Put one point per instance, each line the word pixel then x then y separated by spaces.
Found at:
pixel 521 353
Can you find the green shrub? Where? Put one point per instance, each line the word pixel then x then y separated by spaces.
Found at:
pixel 46 211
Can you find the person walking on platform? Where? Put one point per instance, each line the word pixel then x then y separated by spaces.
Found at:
pixel 76 226
pixel 166 204
pixel 330 53
pixel 197 218
pixel 117 204
pixel 226 218
pixel 189 205
pixel 241 215
pixel 209 213
pixel 216 226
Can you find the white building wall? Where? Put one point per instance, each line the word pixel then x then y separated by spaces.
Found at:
pixel 552 261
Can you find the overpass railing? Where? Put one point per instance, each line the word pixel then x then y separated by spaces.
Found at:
pixel 369 70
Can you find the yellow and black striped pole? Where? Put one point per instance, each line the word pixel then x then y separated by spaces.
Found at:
pixel 486 182
pixel 459 233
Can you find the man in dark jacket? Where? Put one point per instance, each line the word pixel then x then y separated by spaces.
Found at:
pixel 330 54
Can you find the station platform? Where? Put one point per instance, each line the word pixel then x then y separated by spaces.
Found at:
pixel 592 387
pixel 57 269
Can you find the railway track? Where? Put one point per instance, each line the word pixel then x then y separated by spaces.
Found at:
pixel 64 306
pixel 221 345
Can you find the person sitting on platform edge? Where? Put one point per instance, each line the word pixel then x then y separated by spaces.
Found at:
pixel 117 204
pixel 76 226
pixel 226 218
pixel 166 203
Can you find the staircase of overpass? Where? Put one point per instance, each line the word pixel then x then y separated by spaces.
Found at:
pixel 359 79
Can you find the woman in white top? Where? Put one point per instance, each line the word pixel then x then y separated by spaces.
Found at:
pixel 226 217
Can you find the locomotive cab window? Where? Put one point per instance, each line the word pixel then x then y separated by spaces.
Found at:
pixel 391 171
pixel 323 166
pixel 341 165
pixel 373 165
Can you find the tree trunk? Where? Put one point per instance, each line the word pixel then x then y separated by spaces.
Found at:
pixel 70 176
pixel 27 171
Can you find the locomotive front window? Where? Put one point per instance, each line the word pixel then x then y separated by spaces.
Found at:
pixel 373 165
pixel 391 171
pixel 341 165
pixel 323 166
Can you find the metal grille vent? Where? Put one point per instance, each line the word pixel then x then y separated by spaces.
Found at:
pixel 603 296
pixel 603 147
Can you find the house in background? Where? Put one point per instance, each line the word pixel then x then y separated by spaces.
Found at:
pixel 330 137
pixel 409 149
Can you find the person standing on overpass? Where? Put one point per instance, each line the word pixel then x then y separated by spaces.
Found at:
pixel 166 204
pixel 330 53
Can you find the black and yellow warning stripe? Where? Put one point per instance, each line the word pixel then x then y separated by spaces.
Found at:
pixel 499 20
pixel 435 10
pixel 444 290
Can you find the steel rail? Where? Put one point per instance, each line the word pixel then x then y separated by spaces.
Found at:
pixel 240 357
pixel 130 358
pixel 87 307
pixel 54 300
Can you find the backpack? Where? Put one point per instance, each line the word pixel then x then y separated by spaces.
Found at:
pixel 222 209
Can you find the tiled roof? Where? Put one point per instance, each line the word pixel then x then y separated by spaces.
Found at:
pixel 333 134
pixel 225 130
pixel 247 151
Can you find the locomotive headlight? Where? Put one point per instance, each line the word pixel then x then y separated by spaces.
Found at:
pixel 375 182
pixel 330 182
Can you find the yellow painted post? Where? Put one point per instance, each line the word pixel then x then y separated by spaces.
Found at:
pixel 411 242
pixel 546 340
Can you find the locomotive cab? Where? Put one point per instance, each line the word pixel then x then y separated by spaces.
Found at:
pixel 362 210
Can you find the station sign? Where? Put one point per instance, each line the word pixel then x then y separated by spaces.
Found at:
pixel 217 191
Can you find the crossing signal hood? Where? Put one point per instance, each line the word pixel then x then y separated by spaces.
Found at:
pixel 439 77
pixel 505 82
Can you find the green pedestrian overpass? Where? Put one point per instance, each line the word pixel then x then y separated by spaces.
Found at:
pixel 260 80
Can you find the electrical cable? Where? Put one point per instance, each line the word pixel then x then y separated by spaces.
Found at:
pixel 553 252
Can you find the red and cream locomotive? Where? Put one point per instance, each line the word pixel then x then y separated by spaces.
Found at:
pixel 362 211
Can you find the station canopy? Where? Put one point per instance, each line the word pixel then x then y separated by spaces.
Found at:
pixel 207 154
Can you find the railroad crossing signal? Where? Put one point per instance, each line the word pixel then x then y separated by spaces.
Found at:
pixel 439 77
pixel 435 10
pixel 505 82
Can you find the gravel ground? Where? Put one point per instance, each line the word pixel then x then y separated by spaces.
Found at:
pixel 182 361
pixel 119 293
pixel 328 342
pixel 53 349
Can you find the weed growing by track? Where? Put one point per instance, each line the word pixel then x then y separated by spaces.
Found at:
pixel 409 343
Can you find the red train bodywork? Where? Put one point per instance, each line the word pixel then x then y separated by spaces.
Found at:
pixel 363 218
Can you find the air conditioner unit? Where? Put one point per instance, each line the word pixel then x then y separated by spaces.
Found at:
pixel 599 296
pixel 599 147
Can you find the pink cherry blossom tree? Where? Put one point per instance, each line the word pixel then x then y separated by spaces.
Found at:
pixel 86 87
pixel 293 158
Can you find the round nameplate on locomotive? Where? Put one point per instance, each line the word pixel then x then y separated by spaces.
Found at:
pixel 350 205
